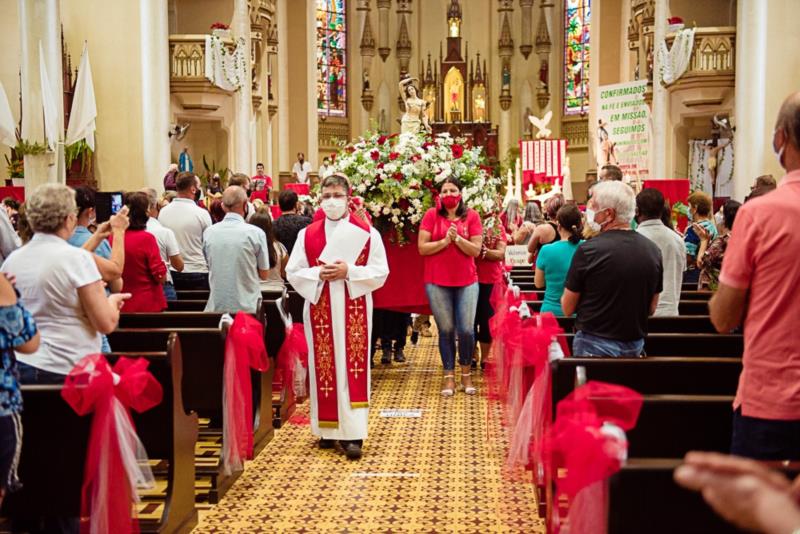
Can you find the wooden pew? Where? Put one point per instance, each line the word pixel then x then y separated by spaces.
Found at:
pixel 658 344
pixel 204 350
pixel 529 289
pixel 690 324
pixel 55 441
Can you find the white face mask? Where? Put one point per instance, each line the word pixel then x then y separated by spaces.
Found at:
pixel 334 208
pixel 779 155
pixel 595 226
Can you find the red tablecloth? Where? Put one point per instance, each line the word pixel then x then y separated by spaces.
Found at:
pixel 17 192
pixel 674 191
pixel 300 189
pixel 404 290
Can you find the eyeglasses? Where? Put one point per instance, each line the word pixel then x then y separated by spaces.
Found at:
pixel 327 196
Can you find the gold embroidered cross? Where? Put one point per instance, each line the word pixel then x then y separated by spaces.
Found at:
pixel 356 370
pixel 355 306
pixel 326 389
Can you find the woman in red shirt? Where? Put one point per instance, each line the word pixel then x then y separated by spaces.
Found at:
pixel 450 239
pixel 144 271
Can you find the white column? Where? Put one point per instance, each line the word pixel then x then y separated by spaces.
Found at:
pixel 751 84
pixel 311 86
pixel 504 133
pixel 154 45
pixel 40 22
pixel 659 109
pixel 284 159
pixel 243 160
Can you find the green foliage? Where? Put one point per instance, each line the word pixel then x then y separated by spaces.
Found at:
pixel 211 170
pixel 77 150
pixel 25 147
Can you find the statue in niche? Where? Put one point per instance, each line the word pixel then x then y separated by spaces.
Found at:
pixel 415 118
pixel 712 149
pixel 365 82
pixel 506 77
pixel 543 75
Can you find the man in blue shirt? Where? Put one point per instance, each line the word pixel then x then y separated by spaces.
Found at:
pixel 237 257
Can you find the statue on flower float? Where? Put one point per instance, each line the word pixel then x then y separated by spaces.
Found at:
pixel 414 119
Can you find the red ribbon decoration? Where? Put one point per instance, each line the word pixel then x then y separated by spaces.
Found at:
pixel 244 349
pixel 293 350
pixel 587 440
pixel 108 489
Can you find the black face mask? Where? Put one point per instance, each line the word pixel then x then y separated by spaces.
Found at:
pixel 197 196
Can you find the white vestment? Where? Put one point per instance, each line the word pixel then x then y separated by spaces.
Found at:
pixel 361 281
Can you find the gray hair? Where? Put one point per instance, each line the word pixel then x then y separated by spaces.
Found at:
pixel 152 197
pixel 512 209
pixel 533 213
pixel 48 207
pixel 336 179
pixel 233 196
pixel 617 196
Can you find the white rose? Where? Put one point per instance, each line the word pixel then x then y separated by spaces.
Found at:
pixel 386 210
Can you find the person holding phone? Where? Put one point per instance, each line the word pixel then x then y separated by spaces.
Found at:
pixel 450 238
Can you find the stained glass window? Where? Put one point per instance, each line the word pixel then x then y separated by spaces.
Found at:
pixel 576 56
pixel 331 58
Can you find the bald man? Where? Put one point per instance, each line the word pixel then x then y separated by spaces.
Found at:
pixel 759 286
pixel 237 257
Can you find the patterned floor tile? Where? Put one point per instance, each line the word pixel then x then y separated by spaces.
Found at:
pixel 441 472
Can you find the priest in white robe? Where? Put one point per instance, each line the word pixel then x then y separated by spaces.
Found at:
pixel 336 268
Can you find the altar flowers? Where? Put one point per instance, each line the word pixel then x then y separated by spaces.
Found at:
pixel 398 176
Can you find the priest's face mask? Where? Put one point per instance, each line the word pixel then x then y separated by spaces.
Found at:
pixel 334 199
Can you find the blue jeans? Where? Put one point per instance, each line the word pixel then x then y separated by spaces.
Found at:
pixel 29 374
pixel 765 439
pixel 190 281
pixel 169 291
pixel 454 311
pixel 588 345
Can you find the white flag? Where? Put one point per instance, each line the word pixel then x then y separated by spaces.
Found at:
pixel 84 106
pixel 49 104
pixel 8 134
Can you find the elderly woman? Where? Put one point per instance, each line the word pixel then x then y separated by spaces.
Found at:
pixel 61 287
pixel 530 220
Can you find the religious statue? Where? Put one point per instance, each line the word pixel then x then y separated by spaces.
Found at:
pixel 506 77
pixel 605 152
pixel 365 82
pixel 480 108
pixel 543 75
pixel 712 149
pixel 415 118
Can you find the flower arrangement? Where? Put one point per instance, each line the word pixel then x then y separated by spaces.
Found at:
pixel 398 176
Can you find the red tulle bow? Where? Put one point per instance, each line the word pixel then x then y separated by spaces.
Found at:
pixel 244 349
pixel 115 460
pixel 588 441
pixel 294 350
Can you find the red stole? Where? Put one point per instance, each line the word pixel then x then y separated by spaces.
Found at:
pixel 356 335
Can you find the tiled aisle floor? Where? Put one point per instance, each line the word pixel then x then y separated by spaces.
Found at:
pixel 437 473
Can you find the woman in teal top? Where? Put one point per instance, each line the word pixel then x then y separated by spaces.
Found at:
pixel 553 261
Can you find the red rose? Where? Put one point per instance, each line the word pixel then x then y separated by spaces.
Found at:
pixel 428 184
pixel 350 150
pixel 333 157
pixel 393 156
pixel 380 165
pixel 378 179
pixel 426 144
pixel 458 151
pixel 398 176
pixel 375 155
pixel 382 139
pixel 415 158
pixel 403 204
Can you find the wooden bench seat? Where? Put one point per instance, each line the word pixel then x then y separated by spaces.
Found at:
pixel 690 324
pixel 661 344
pixel 55 441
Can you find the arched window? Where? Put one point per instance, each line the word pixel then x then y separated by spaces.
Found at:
pixel 331 58
pixel 576 56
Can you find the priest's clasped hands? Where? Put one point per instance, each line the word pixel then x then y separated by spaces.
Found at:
pixel 331 273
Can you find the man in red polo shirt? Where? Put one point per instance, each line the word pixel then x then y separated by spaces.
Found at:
pixel 759 283
pixel 261 186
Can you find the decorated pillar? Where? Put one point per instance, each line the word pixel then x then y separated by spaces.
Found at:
pixel 284 159
pixel 40 24
pixel 544 46
pixel 154 43
pixel 383 28
pixel 403 46
pixel 659 105
pixel 751 91
pixel 367 48
pixel 525 48
pixel 505 51
pixel 243 158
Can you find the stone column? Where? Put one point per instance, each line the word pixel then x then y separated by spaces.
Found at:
pixel 242 143
pixel 40 22
pixel 659 106
pixel 154 45
pixel 284 159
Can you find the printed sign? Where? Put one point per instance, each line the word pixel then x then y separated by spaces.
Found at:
pixel 624 129
pixel 517 256
pixel 401 413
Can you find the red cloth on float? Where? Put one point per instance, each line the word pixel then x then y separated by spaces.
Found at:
pixel 244 349
pixel 674 191
pixel 404 290
pixel 111 474
pixel 17 193
pixel 300 189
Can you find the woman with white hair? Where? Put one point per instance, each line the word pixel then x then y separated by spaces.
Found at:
pixel 61 287
pixel 614 280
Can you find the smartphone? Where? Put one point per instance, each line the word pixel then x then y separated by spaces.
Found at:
pixel 107 204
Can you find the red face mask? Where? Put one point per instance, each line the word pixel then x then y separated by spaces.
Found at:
pixel 451 202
